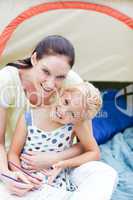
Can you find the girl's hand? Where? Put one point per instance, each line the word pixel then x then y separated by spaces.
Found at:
pixel 39 160
pixel 35 179
pixel 14 187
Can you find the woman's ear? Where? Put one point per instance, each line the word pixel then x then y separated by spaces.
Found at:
pixel 34 59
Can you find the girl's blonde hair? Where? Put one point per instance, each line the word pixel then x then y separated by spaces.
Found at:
pixel 91 98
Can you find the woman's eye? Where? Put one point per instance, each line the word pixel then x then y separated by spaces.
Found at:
pixel 73 115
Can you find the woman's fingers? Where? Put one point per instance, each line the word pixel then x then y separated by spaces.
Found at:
pixel 19 192
pixel 30 153
pixel 26 157
pixel 60 164
pixel 27 163
pixel 54 173
pixel 29 167
pixel 46 172
pixel 19 185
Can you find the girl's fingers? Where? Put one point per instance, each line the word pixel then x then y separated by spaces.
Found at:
pixel 27 176
pixel 35 179
pixel 22 177
pixel 31 171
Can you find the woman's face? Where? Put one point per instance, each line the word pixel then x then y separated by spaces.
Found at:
pixel 48 74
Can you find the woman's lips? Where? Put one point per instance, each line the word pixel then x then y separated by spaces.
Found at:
pixel 45 89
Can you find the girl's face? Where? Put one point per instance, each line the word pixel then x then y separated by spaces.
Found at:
pixel 69 108
pixel 48 74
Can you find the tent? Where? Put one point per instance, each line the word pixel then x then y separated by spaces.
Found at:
pixel 100 30
pixel 102 34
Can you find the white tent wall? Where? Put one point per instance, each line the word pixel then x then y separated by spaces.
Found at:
pixel 103 44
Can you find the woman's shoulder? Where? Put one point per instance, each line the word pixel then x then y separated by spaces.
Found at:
pixel 9 69
pixel 8 73
pixel 72 79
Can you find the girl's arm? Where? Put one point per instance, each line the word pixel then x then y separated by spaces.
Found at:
pixel 3 155
pixel 91 150
pixel 17 143
pixel 15 150
pixel 14 187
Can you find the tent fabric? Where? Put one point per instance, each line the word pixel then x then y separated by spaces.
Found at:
pixel 6 34
pixel 101 32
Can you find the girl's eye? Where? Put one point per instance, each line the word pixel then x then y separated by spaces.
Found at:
pixel 46 72
pixel 66 102
pixel 60 77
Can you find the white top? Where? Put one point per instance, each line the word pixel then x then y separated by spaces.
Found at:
pixel 12 95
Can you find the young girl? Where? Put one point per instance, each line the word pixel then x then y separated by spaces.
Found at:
pixel 51 128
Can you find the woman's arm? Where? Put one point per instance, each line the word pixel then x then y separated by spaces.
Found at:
pixel 7 93
pixel 91 150
pixel 87 145
pixel 41 160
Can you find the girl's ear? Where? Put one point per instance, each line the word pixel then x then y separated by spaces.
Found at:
pixel 34 59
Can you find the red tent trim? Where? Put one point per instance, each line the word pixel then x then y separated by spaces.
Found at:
pixel 35 10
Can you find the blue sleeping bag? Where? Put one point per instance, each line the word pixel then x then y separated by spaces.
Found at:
pixel 116 114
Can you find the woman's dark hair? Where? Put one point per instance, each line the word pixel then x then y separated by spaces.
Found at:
pixel 51 45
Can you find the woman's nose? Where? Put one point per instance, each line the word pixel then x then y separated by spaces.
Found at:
pixel 50 83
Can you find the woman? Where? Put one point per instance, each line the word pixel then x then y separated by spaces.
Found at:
pixel 36 80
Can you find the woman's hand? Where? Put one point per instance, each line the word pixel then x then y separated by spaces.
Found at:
pixel 15 187
pixel 51 174
pixel 39 160
pixel 57 168
pixel 42 160
pixel 60 165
